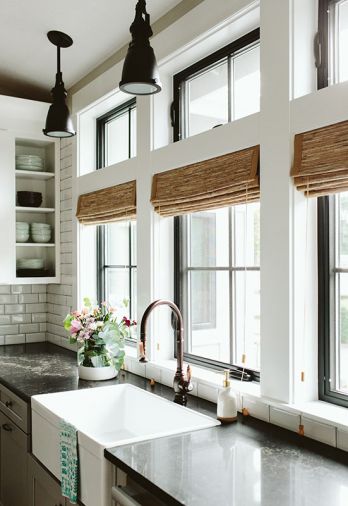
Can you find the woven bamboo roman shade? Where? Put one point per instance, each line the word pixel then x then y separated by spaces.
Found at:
pixel 219 182
pixel 108 205
pixel 321 160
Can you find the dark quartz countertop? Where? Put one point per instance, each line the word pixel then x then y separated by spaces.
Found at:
pixel 249 463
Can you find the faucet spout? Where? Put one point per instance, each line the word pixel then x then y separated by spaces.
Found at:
pixel 182 385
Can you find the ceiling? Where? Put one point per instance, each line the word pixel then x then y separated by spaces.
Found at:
pixel 98 27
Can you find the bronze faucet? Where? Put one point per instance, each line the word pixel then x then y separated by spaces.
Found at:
pixel 182 385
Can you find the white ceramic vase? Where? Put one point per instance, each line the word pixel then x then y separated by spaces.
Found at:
pixel 97 373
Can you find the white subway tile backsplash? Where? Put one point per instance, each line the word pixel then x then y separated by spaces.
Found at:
pixel 15 339
pixel 282 418
pixel 36 308
pixel 208 392
pixel 342 439
pixel 9 329
pixel 28 297
pixel 319 431
pixel 23 318
pixel 5 319
pixel 256 408
pixel 39 317
pixel 2 309
pixel 38 288
pixel 28 328
pixel 36 337
pixel 5 289
pixel 21 289
pixel 8 299
pixel 15 309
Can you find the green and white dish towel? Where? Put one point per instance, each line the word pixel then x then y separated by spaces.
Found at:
pixel 69 462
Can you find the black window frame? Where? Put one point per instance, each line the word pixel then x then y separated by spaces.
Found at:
pixel 102 266
pixel 227 51
pixel 326 242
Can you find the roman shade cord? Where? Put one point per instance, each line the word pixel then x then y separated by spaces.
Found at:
pixel 109 205
pixel 321 160
pixel 210 184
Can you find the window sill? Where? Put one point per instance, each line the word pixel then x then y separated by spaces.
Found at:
pixel 323 421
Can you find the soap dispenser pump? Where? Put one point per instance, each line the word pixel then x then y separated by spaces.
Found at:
pixel 227 401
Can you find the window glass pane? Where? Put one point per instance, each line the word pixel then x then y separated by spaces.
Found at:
pixel 209 238
pixel 209 308
pixel 247 318
pixel 134 242
pixel 246 223
pixel 342 351
pixel 342 232
pixel 117 139
pixel 207 99
pixel 133 132
pixel 342 40
pixel 246 83
pixel 117 286
pixel 134 294
pixel 117 243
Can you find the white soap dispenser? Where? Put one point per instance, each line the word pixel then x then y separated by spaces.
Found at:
pixel 227 401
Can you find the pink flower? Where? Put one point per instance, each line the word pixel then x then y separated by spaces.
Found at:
pixel 126 321
pixel 75 327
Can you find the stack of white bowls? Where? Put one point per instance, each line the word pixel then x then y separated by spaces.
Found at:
pixel 41 232
pixel 30 263
pixel 22 231
pixel 29 162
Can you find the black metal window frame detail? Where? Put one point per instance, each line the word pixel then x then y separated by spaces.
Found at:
pixel 102 266
pixel 326 242
pixel 323 43
pixel 327 271
pixel 226 52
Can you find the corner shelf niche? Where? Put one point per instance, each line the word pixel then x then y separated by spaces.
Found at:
pixel 45 182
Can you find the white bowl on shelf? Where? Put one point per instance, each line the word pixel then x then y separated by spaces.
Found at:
pixel 22 237
pixel 41 238
pixel 21 225
pixel 30 263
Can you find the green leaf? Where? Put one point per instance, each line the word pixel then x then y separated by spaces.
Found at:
pixel 67 322
pixel 125 302
pixel 87 302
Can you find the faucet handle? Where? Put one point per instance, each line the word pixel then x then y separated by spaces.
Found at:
pixel 189 385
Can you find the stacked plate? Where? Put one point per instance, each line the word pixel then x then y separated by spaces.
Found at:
pixel 41 232
pixel 22 231
pixel 29 162
pixel 30 263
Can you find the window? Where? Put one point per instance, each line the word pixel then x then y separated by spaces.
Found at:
pixel 217 257
pixel 333 298
pixel 333 39
pixel 116 242
pixel 223 87
pixel 218 285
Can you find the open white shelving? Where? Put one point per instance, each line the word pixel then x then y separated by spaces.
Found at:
pixel 45 182
pixel 27 174
pixel 35 210
pixel 35 245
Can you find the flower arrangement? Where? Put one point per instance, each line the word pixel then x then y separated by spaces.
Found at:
pixel 101 334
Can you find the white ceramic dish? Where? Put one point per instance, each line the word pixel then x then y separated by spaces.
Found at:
pixel 41 238
pixel 22 237
pixel 30 263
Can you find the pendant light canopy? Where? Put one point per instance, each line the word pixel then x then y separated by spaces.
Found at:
pixel 58 121
pixel 140 73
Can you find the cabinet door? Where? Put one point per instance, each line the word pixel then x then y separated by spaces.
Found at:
pixel 13 461
pixel 43 490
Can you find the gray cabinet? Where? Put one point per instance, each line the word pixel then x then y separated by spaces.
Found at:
pixel 43 489
pixel 14 445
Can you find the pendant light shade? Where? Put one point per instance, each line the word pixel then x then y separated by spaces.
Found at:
pixel 140 73
pixel 58 121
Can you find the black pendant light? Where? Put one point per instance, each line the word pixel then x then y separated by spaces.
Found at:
pixel 140 73
pixel 58 121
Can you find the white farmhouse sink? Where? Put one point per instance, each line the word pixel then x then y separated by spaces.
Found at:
pixel 105 417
